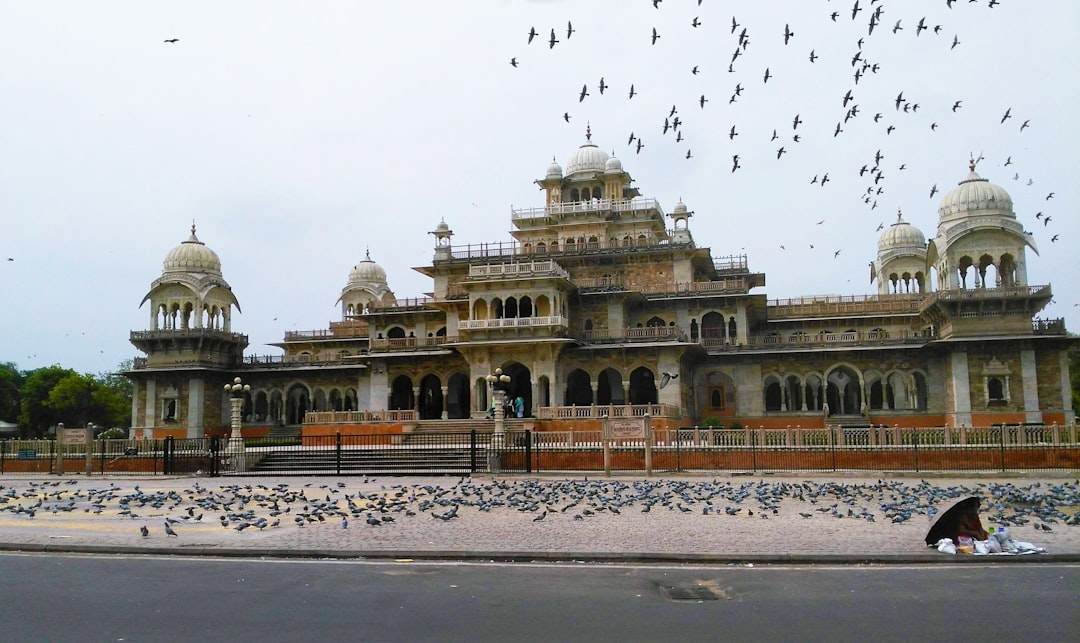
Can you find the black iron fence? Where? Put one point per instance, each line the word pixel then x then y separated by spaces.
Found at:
pixel 465 453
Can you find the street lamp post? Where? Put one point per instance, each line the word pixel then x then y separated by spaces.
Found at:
pixel 235 448
pixel 499 383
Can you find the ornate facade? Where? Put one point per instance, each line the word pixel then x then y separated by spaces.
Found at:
pixel 596 302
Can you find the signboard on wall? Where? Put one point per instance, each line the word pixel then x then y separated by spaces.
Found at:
pixel 625 429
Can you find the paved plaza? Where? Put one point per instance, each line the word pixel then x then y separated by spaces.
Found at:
pixel 732 518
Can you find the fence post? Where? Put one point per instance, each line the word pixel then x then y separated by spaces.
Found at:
pixel 166 455
pixel 472 451
pixel 915 442
pixel 3 454
pixel 678 447
pixel 528 451
pixel 832 445
pixel 154 450
pixel 337 452
pixel 1003 429
pixel 102 442
pixel 753 451
pixel 52 457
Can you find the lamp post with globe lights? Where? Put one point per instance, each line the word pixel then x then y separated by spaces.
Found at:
pixel 235 448
pixel 499 383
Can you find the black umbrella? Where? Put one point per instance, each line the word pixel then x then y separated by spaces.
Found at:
pixel 944 522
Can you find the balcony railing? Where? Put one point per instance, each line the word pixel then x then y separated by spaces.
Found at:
pixel 633 335
pixel 584 207
pixel 607 410
pixel 841 305
pixel 1048 326
pixel 356 417
pixel 511 322
pixel 965 294
pixel 409 343
pixel 522 269
pixel 819 340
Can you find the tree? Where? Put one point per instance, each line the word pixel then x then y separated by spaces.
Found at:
pixel 79 399
pixel 35 416
pixel 11 382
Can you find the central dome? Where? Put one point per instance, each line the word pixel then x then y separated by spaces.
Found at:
pixel 587 158
pixel 193 256
pixel 974 194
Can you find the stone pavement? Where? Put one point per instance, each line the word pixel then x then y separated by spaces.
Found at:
pixel 676 527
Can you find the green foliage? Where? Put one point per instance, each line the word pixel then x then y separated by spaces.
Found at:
pixel 54 394
pixel 35 415
pixel 113 434
pixel 11 382
pixel 712 422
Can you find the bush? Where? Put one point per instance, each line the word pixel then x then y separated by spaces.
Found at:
pixel 113 434
pixel 712 422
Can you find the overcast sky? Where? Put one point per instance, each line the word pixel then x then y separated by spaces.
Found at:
pixel 297 135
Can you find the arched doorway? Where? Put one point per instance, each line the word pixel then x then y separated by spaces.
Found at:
pixel 401 394
pixel 431 398
pixel 578 389
pixel 297 402
pixel 609 388
pixel 457 396
pixel 844 393
pixel 520 385
pixel 643 386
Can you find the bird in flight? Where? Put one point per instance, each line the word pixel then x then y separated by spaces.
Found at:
pixel 956 105
pixel 632 92
pixel 735 163
pixel 603 85
pixel 933 190
pixel 569 29
pixel 767 75
pixel 173 40
pixel 532 34
pixel 513 62
pixel 666 377
pixel 1007 116
pixel 1025 125
pixel 552 41
pixel 655 36
pixel 584 93
pixel 836 254
pixel 788 33
pixel 566 116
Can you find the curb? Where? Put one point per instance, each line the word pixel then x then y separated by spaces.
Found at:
pixel 549 557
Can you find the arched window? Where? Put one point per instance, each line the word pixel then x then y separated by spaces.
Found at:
pixel 995 390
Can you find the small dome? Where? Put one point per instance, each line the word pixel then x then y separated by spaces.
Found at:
pixel 613 166
pixel 680 208
pixel 442 228
pixel 193 256
pixel 587 158
pixel 973 194
pixel 367 272
pixel 901 235
pixel 554 171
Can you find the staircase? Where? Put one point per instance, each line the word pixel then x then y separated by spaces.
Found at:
pixel 395 460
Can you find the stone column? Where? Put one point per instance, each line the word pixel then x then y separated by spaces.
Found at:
pixel 961 388
pixel 445 402
pixel 1030 378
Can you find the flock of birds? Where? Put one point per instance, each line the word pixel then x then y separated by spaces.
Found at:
pixel 241 507
pixel 904 114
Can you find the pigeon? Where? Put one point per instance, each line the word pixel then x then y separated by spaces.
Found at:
pixel 144 531
pixel 169 530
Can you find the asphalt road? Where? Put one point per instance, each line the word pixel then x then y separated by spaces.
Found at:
pixel 114 598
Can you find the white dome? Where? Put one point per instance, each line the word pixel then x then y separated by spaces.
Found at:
pixel 975 194
pixel 554 171
pixel 901 235
pixel 193 256
pixel 587 158
pixel 680 208
pixel 367 273
pixel 613 166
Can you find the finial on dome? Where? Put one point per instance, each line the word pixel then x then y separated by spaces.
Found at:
pixel 971 163
pixel 899 215
pixel 367 253
pixel 193 227
pixel 588 132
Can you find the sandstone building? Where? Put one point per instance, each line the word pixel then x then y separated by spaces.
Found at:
pixel 602 298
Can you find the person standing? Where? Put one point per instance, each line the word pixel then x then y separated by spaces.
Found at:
pixel 519 406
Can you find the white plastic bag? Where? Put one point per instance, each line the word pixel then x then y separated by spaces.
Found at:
pixel 992 545
pixel 946 546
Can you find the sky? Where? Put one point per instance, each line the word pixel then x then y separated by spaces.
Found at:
pixel 299 136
